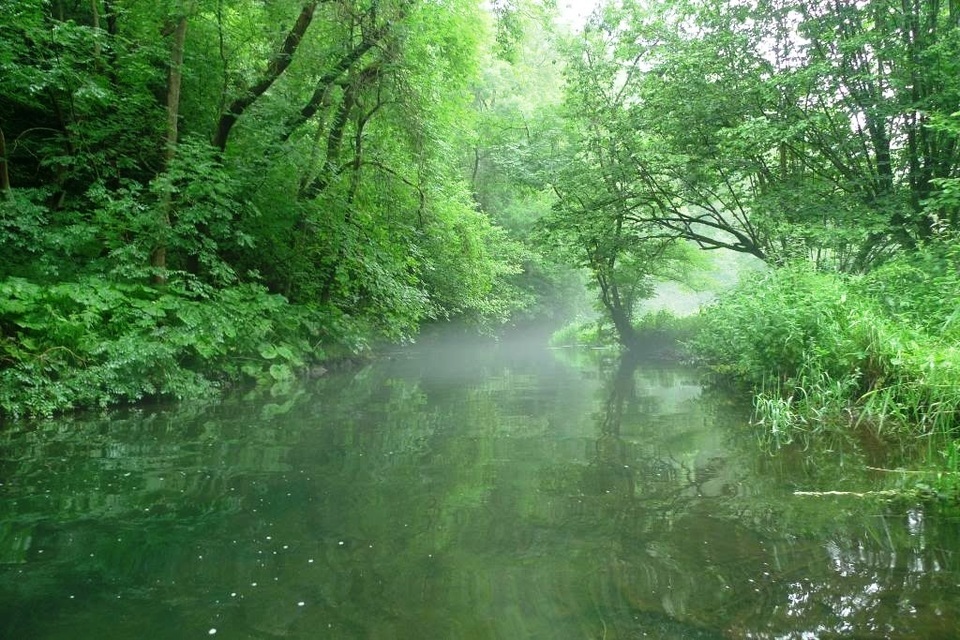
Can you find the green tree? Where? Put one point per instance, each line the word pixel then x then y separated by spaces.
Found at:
pixel 600 222
pixel 182 154
pixel 780 129
pixel 519 141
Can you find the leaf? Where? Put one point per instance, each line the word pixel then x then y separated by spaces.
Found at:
pixel 281 372
pixel 285 352
pixel 268 351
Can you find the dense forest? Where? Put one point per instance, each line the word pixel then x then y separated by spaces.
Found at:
pixel 202 192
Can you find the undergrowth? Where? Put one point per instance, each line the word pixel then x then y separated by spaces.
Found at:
pixel 583 333
pixel 659 333
pixel 826 351
pixel 91 342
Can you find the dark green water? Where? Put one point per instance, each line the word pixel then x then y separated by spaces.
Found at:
pixel 479 491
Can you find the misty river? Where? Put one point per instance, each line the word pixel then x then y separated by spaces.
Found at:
pixel 472 489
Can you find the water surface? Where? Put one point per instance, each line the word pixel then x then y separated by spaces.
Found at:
pixel 482 490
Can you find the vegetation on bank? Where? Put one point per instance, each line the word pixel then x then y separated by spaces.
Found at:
pixel 90 342
pixel 198 194
pixel 194 194
pixel 821 349
pixel 828 354
pixel 659 334
pixel 828 349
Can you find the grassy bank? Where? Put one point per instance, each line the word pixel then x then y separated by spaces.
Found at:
pixel 823 348
pixel 661 334
pixel 829 352
pixel 828 355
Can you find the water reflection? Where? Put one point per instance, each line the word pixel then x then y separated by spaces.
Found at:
pixel 492 491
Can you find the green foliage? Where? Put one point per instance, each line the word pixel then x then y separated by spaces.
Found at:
pixel 776 323
pixel 765 128
pixel 665 328
pixel 97 343
pixel 512 154
pixel 943 204
pixel 582 333
pixel 922 289
pixel 659 333
pixel 307 189
pixel 23 220
pixel 823 350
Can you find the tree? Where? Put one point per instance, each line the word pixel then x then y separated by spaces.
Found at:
pixel 277 65
pixel 780 129
pixel 158 255
pixel 592 226
pixel 159 161
pixel 598 221
pixel 512 157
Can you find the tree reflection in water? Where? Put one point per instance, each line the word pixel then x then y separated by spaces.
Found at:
pixel 713 536
pixel 502 492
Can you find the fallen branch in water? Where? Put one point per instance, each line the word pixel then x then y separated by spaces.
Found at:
pixel 865 494
pixel 913 471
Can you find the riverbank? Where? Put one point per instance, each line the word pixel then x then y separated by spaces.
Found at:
pixel 821 349
pixel 95 343
pixel 828 355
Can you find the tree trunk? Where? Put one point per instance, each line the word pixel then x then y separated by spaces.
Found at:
pixel 4 173
pixel 323 84
pixel 158 258
pixel 275 68
pixel 95 17
pixel 619 314
pixel 626 333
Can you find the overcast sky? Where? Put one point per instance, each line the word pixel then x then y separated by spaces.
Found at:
pixel 575 12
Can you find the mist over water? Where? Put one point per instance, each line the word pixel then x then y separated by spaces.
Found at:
pixel 459 488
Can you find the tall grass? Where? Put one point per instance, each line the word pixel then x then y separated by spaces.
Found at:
pixel 823 350
pixel 660 333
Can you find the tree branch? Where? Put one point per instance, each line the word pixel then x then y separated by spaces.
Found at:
pixel 316 100
pixel 275 68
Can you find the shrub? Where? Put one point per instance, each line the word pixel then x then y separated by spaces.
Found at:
pixel 92 342
pixel 922 290
pixel 820 351
pixel 781 325
pixel 583 333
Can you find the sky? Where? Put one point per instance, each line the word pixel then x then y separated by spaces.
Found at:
pixel 575 12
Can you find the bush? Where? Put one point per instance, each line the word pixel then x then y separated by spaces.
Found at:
pixel 664 328
pixel 583 333
pixel 922 290
pixel 96 343
pixel 781 325
pixel 660 333
pixel 822 349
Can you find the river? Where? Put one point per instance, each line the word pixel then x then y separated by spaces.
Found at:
pixel 473 489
